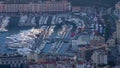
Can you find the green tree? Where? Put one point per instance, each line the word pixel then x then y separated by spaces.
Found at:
pixel 109 21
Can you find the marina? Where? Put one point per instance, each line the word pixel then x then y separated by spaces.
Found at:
pixel 59 34
pixel 45 38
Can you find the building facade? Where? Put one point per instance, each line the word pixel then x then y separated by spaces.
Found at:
pixel 46 6
pixel 12 61
pixel 117 9
pixel 118 31
pixel 99 57
pixel 117 5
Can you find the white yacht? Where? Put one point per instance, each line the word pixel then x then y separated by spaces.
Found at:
pixel 4 23
pixel 23 20
pixel 33 21
pixel 25 39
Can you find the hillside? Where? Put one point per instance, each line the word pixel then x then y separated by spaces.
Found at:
pixel 102 3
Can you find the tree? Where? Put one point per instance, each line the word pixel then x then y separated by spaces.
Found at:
pixel 109 23
pixel 102 65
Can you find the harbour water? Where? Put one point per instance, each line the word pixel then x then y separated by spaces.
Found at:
pixel 11 31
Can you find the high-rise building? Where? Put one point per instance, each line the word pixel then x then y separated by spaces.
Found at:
pixel 117 6
pixel 117 9
pixel 118 31
pixel 80 65
pixel 99 57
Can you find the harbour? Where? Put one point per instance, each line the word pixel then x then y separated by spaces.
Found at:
pixel 52 27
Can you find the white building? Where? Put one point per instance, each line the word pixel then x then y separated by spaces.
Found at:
pixel 99 57
pixel 80 66
pixel 82 40
pixel 117 9
pixel 95 57
pixel 117 5
pixel 119 48
pixel 103 59
pixel 33 56
pixel 118 31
